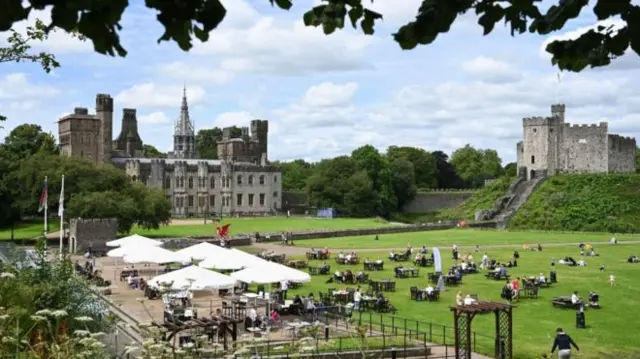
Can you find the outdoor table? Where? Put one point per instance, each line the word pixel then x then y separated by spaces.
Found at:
pixel 247 296
pixel 373 266
pixel 383 285
pixel 314 270
pixel 408 273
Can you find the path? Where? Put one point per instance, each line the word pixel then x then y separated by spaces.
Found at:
pixel 289 250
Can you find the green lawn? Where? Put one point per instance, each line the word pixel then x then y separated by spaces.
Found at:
pixel 28 230
pixel 609 330
pixel 461 237
pixel 262 225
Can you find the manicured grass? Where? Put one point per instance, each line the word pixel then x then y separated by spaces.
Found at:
pixel 262 225
pixel 461 237
pixel 610 331
pixel 28 230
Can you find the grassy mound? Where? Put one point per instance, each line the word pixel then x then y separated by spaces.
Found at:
pixel 587 202
pixel 483 199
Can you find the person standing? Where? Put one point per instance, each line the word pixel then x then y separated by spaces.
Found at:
pixel 563 343
pixel 284 288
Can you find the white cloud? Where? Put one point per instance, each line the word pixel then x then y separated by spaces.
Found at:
pixel 154 95
pixel 154 118
pixel 491 70
pixel 195 74
pixel 328 94
pixel 282 48
pixel 16 87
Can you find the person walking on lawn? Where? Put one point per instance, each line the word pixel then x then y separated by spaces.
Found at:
pixel 563 343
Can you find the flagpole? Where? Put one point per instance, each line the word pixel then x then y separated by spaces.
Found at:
pixel 46 227
pixel 61 213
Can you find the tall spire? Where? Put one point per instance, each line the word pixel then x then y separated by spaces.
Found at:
pixel 184 138
pixel 184 127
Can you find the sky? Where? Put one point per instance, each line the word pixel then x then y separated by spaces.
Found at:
pixel 324 95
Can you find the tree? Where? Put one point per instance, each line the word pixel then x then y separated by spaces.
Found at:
pixel 403 180
pixel 207 141
pixel 424 164
pixel 511 169
pixel 27 140
pixel 184 21
pixel 475 166
pixel 152 152
pixel 447 176
pixel 295 174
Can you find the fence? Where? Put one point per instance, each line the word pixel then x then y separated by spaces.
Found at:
pixel 382 324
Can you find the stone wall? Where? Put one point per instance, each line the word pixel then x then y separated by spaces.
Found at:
pixel 424 202
pixel 585 148
pixel 92 233
pixel 436 201
pixel 622 153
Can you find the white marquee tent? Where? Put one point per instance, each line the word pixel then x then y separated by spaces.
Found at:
pixel 194 278
pixel 231 259
pixel 204 250
pixel 134 239
pixel 150 254
pixel 270 272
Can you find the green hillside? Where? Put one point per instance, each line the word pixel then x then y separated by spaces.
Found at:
pixel 483 199
pixel 587 202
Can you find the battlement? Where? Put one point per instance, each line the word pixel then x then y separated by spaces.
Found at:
pixel 600 126
pixel 259 126
pixel 129 112
pixel 558 108
pixel 104 103
pixel 245 132
pixel 94 221
pixel 537 121
pixel 81 111
pixel 622 143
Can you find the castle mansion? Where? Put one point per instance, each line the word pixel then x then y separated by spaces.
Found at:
pixel 240 182
pixel 552 146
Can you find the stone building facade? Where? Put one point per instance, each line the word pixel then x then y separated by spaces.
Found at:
pixel 550 146
pixel 241 182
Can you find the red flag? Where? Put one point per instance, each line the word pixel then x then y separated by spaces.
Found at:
pixel 44 196
pixel 223 231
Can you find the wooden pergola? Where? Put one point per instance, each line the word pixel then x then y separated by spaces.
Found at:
pixel 463 316
pixel 227 325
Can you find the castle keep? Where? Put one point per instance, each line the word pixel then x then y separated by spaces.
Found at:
pixel 550 146
pixel 240 182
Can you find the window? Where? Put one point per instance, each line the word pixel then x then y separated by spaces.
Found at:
pixel 250 181
pixel 262 199
pixel 190 201
pixel 535 130
pixel 180 183
pixel 228 181
pixel 261 179
pixel 224 182
pixel 551 130
pixel 239 199
pixel 213 182
pixel 134 178
pixel 177 201
pixel 275 178
pixel 582 141
pixel 201 183
pixel 251 195
pixel 275 194
pixel 167 182
pixel 239 180
pixel 201 201
pixel 533 159
pixel 212 200
pixel 190 182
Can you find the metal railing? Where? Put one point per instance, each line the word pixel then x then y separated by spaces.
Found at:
pixel 384 324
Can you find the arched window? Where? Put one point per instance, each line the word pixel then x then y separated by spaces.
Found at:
pixel 275 178
pixel 261 179
pixel 250 181
pixel 167 182
pixel 213 182
pixel 239 180
pixel 190 182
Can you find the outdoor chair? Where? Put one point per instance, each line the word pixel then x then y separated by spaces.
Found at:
pixel 414 293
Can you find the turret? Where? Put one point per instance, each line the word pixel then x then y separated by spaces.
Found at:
pixel 557 110
pixel 104 111
pixel 260 133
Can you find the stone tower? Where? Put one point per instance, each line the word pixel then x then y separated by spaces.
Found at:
pixel 129 140
pixel 104 112
pixel 80 134
pixel 260 134
pixel 184 138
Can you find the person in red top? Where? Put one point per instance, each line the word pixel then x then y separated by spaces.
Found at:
pixel 515 286
pixel 274 315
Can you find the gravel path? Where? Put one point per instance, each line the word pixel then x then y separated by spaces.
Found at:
pixel 288 250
